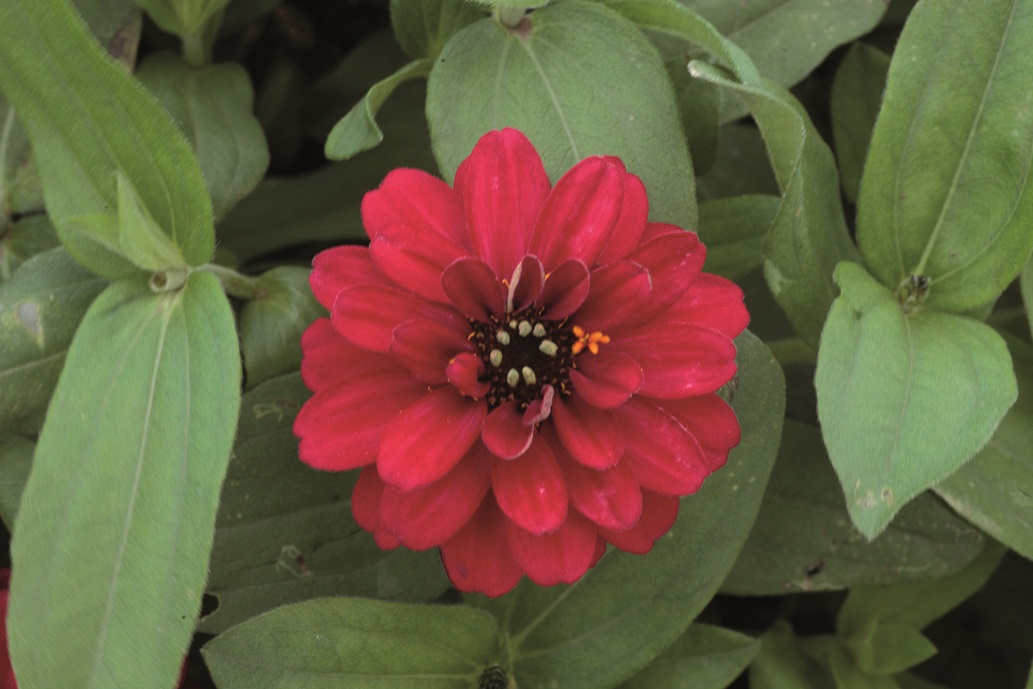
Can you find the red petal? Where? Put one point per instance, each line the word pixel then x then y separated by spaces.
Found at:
pixel 339 268
pixel 525 285
pixel 413 197
pixel 627 233
pixel 464 372
pixel 366 502
pixel 541 408
pixel 712 421
pixel 564 290
pixel 561 557
pixel 505 433
pixel 607 379
pixel 429 516
pixel 611 498
pixel 619 291
pixel 477 558
pixel 665 457
pixel 368 314
pixel 658 515
pixel 503 188
pixel 473 288
pixel 678 359
pixel 530 490
pixel 329 359
pixel 428 438
pixel 414 257
pixel 340 427
pixel 580 213
pixel 674 260
pixel 590 435
pixel 712 302
pixel 426 347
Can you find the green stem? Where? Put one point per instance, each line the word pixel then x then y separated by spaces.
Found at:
pixel 195 49
pixel 510 17
pixel 233 283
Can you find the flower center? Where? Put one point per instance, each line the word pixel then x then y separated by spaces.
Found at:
pixel 525 353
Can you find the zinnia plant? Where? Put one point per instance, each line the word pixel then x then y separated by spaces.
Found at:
pixel 524 372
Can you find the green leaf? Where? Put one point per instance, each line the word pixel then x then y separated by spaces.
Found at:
pixel 271 324
pixel 181 16
pixel 87 119
pixel 627 609
pixel 336 642
pixel 780 664
pixel 1026 285
pixel 809 235
pixel 24 239
pixel 764 29
pixel 847 675
pixel 115 525
pixel 285 532
pixel 358 130
pixel 904 398
pixel 423 27
pixel 704 657
pixel 578 80
pixel 886 649
pixel 804 541
pixel 19 184
pixel 697 105
pixel 15 463
pixel 323 206
pixel 40 309
pixel 916 604
pixel 856 97
pixel 140 239
pixel 946 191
pixel 995 490
pixel 733 230
pixel 741 166
pixel 212 107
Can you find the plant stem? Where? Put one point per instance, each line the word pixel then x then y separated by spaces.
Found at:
pixel 233 283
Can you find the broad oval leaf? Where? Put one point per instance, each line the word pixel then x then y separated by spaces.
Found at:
pixel 212 107
pixel 904 399
pixel 578 80
pixel 704 657
pixel 88 118
pixel 40 309
pixel 855 100
pixel 804 541
pixel 285 532
pixel 423 27
pixel 995 490
pixel 946 191
pixel 330 643
pixel 626 610
pixel 809 235
pixel 113 534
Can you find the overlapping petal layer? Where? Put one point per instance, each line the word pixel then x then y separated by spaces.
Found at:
pixel 524 372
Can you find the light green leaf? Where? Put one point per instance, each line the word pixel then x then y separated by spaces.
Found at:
pixel 423 27
pixel 946 191
pixel 578 80
pixel 629 608
pixel 181 16
pixel 1026 286
pixel 855 99
pixel 847 675
pixel 904 398
pixel 995 490
pixel 358 130
pixel 117 24
pixel 19 185
pixel 780 664
pixel 764 29
pixel 212 107
pixel 271 324
pixel 916 604
pixel 87 118
pixel 115 526
pixel 704 657
pixel 809 234
pixel 804 541
pixel 40 309
pixel 330 643
pixel 697 105
pixel 285 532
pixel 888 648
pixel 139 238
pixel 733 230
pixel 15 463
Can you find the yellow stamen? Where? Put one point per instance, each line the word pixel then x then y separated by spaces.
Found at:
pixel 589 341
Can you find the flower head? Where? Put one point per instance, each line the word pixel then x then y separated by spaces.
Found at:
pixel 524 372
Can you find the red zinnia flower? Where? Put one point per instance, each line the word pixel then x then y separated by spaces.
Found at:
pixel 525 372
